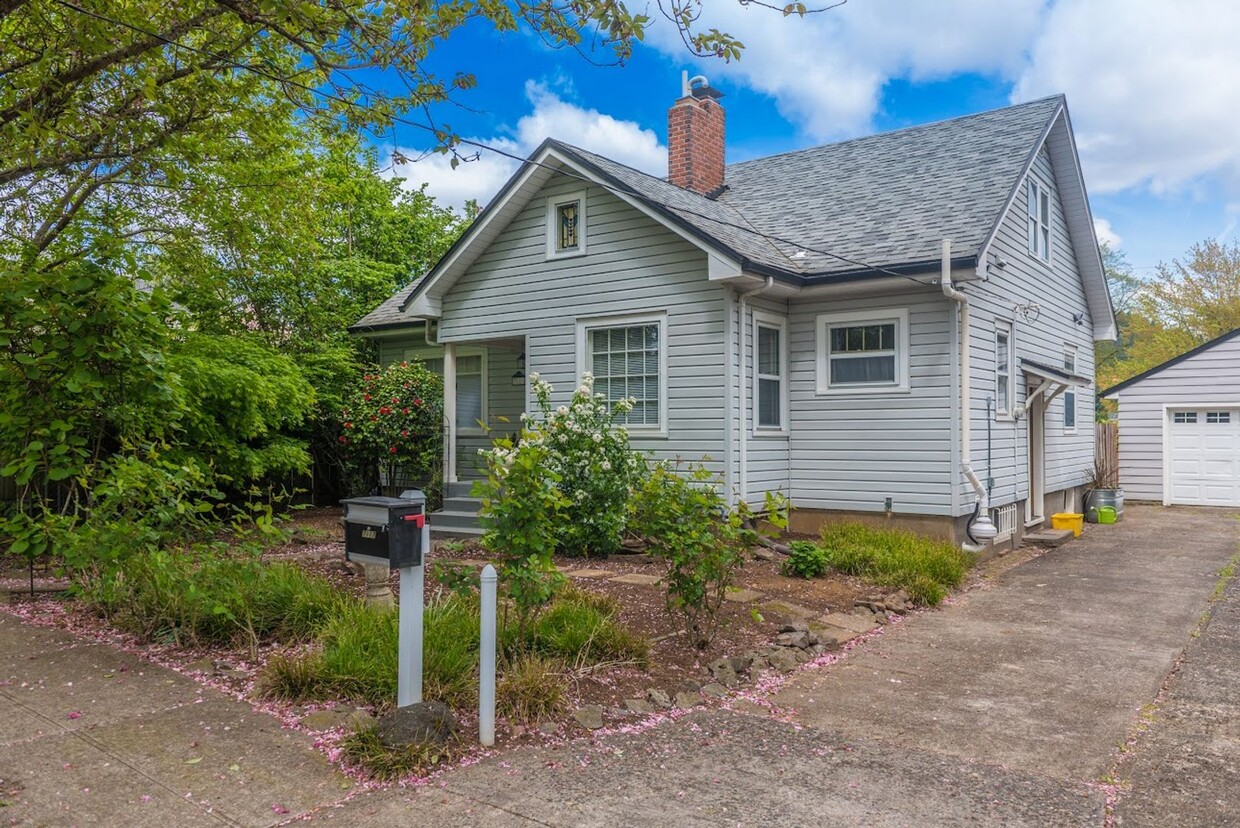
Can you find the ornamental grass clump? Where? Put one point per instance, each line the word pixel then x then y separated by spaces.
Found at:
pixel 927 569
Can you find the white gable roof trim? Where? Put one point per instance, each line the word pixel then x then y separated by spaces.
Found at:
pixel 1070 182
pixel 427 301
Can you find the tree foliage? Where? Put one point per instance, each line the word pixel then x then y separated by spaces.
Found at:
pixel 1187 303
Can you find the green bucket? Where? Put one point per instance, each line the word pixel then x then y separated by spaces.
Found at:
pixel 1106 514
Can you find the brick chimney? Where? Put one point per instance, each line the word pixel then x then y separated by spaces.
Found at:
pixel 695 137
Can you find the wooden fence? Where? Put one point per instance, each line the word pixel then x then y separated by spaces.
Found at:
pixel 1106 451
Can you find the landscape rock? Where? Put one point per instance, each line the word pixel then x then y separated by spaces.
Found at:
pixel 801 656
pixel 723 672
pixel 798 640
pixel 689 685
pixel 418 724
pixel 635 578
pixel 685 701
pixel 716 690
pixel 202 665
pixel 325 719
pixel 638 706
pixel 799 625
pixel 659 698
pixel 549 728
pixel 590 716
pixel 761 553
pixel 741 663
pixel 853 623
pixel 742 596
pixel 782 660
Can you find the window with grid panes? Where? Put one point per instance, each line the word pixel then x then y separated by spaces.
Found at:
pixel 625 363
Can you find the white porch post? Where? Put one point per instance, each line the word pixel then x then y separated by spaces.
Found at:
pixel 449 411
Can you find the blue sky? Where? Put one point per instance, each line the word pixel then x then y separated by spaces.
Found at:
pixel 1154 94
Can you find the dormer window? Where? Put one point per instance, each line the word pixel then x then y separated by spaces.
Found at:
pixel 566 225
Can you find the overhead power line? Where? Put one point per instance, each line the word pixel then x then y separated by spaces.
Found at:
pixel 613 188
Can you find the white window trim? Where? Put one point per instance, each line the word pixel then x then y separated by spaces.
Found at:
pixel 424 353
pixel 552 231
pixel 1074 352
pixel 589 323
pixel 1044 191
pixel 1007 326
pixel 822 324
pixel 779 323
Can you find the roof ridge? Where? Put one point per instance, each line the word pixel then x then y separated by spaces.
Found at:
pixel 911 128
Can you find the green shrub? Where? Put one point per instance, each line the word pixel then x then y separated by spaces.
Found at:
pixel 393 420
pixel 531 688
pixel 806 560
pixel 686 522
pixel 927 569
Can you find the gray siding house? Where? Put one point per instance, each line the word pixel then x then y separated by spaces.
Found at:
pixel 1179 428
pixel 899 326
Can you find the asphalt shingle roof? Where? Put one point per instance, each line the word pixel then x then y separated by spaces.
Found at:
pixel 883 200
pixel 389 313
pixel 841 210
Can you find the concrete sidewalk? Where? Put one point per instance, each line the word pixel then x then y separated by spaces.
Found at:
pixel 90 735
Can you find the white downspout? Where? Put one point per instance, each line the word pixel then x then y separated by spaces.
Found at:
pixel 744 381
pixel 982 528
pixel 729 374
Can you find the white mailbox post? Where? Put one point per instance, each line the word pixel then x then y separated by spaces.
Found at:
pixel 394 531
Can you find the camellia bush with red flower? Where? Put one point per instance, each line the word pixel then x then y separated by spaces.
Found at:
pixel 393 424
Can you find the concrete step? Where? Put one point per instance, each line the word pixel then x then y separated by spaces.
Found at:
pixel 1048 537
pixel 460 488
pixel 462 504
pixel 456 531
pixel 448 520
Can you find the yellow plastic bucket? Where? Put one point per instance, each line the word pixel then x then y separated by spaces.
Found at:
pixel 1069 520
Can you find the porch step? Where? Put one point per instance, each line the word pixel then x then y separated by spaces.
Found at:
pixel 460 488
pixel 455 523
pixel 462 504
pixel 1048 537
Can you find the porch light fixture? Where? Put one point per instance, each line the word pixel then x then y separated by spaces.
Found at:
pixel 518 376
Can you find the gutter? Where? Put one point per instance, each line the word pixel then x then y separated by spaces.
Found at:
pixel 744 383
pixel 979 529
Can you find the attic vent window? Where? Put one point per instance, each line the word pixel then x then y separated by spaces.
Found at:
pixel 1039 198
pixel 566 225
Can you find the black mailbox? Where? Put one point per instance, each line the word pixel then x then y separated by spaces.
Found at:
pixel 385 530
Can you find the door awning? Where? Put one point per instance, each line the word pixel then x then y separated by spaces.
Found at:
pixel 1055 375
pixel 1054 381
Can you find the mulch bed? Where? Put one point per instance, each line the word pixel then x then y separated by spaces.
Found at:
pixel 318 545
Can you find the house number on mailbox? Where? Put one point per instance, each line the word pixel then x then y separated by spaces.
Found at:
pixel 369 533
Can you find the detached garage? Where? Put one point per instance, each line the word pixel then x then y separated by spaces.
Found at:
pixel 1179 428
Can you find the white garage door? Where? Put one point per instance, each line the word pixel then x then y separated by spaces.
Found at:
pixel 1205 457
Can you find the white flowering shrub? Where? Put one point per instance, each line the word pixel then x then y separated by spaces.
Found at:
pixel 584 449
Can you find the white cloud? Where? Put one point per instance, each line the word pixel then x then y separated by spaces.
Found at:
pixel 1106 234
pixel 827 71
pixel 1154 88
pixel 550 117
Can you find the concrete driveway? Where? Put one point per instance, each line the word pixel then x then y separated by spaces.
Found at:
pixel 1097 684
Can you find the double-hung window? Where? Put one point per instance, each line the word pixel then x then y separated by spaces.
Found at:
pixel 1069 395
pixel 1005 391
pixel 628 359
pixel 863 352
pixel 1039 206
pixel 770 373
pixel 566 225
